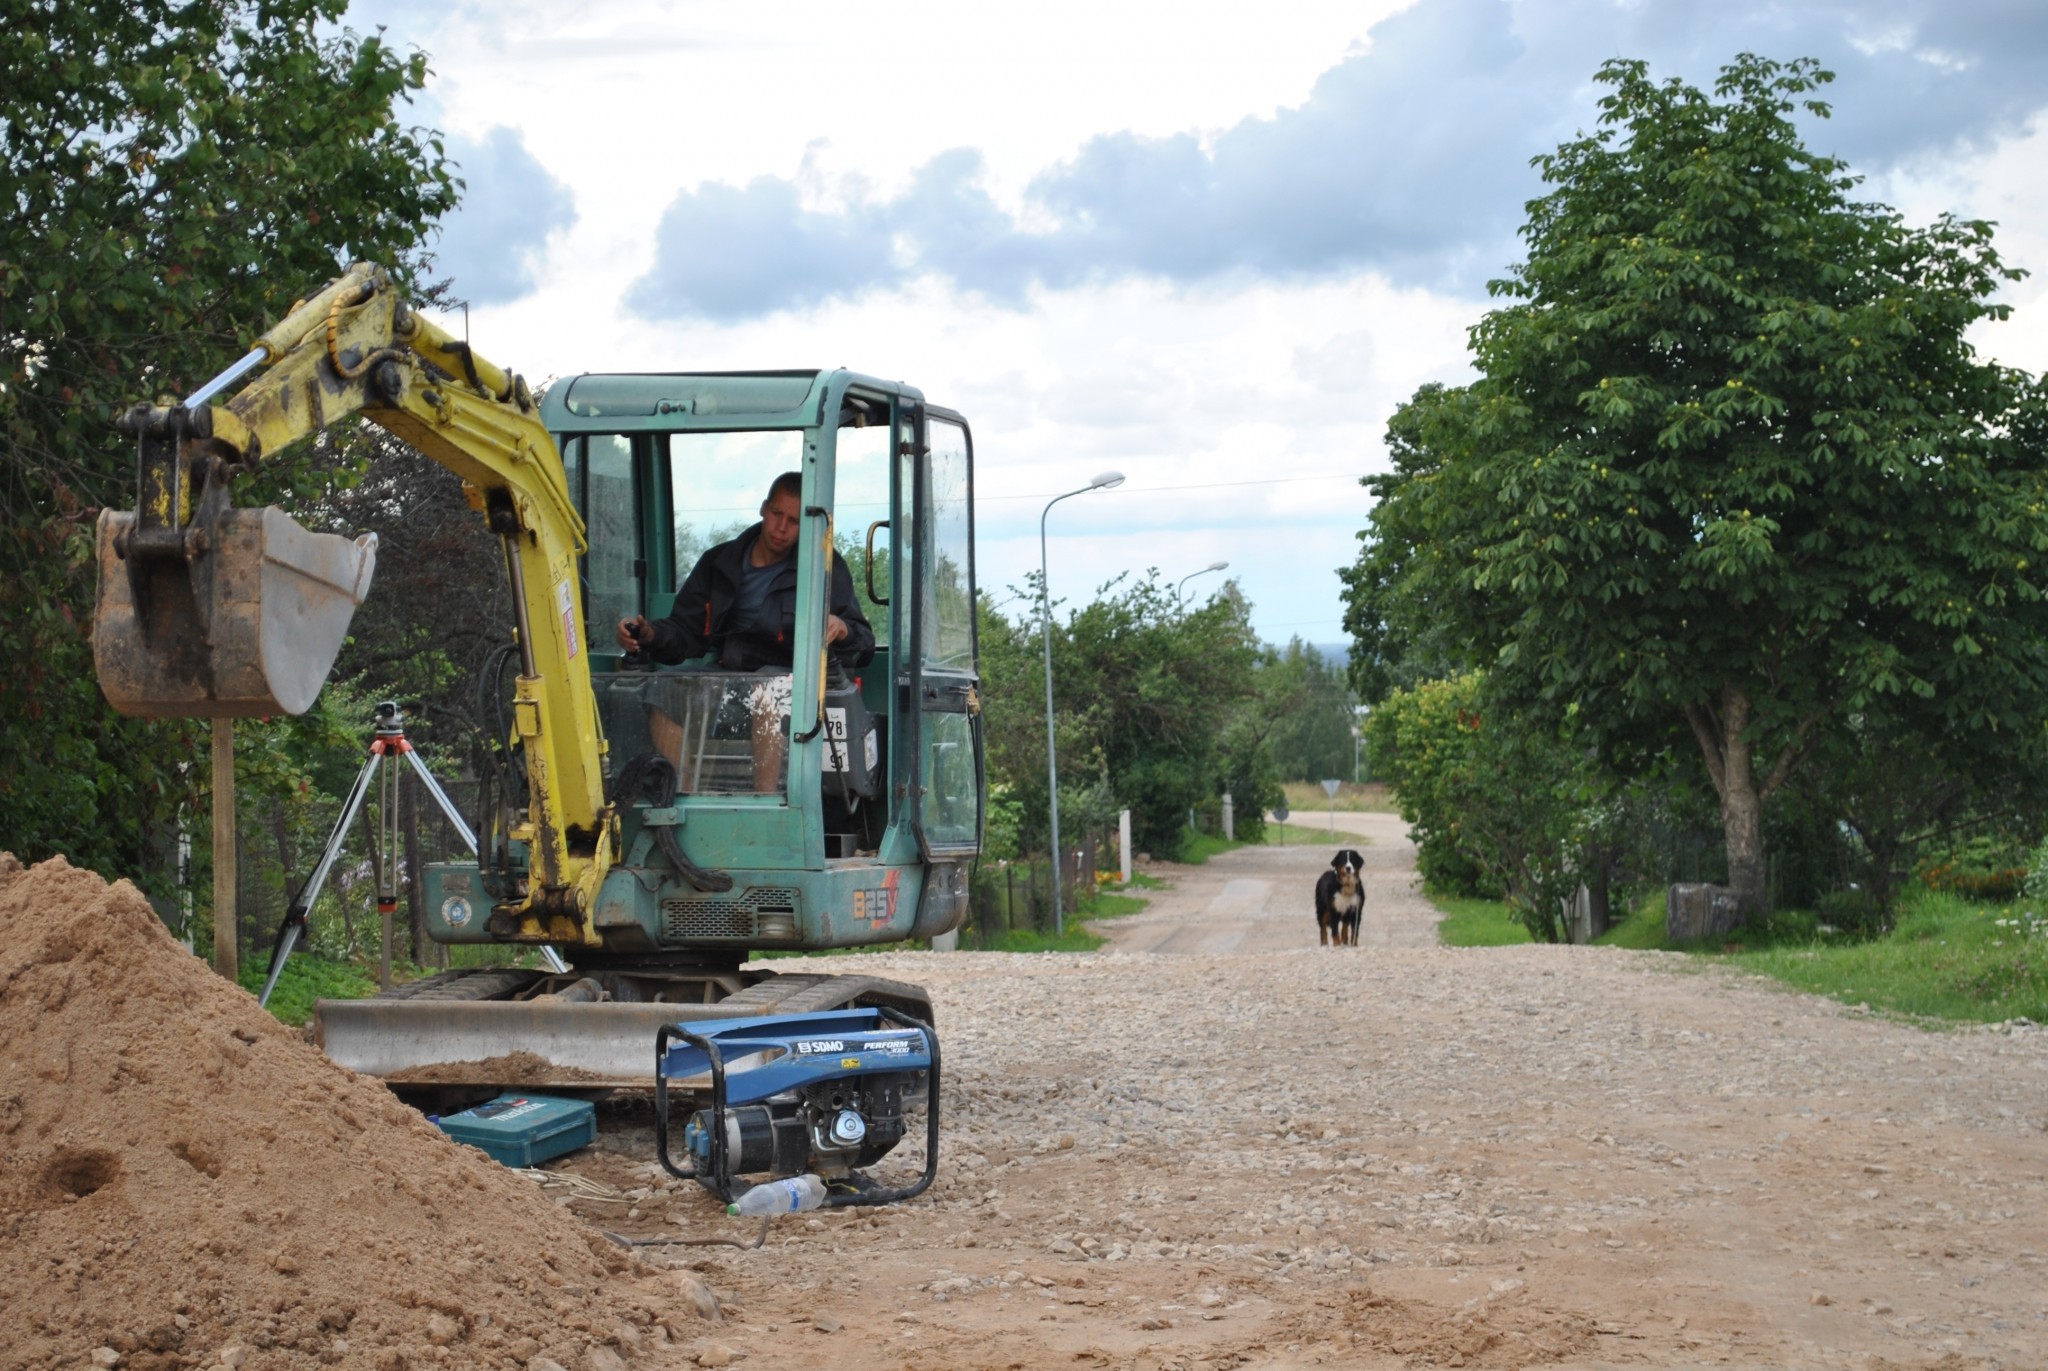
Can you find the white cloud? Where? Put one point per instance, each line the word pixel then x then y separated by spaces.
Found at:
pixel 1409 157
pixel 494 243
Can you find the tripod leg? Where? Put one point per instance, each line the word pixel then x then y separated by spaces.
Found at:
pixel 441 798
pixel 295 913
pixel 280 952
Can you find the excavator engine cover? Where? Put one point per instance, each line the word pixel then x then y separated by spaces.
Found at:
pixel 245 623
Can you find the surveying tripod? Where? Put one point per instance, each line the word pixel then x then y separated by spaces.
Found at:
pixel 388 740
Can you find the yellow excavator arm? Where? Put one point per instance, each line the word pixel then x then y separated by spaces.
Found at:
pixel 208 611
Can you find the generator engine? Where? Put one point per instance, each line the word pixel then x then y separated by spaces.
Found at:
pixel 828 1128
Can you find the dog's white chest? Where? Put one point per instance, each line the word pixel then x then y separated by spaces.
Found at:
pixel 1346 901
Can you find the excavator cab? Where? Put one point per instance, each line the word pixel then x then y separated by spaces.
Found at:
pixel 844 800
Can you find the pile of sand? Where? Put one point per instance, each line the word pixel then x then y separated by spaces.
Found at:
pixel 181 1176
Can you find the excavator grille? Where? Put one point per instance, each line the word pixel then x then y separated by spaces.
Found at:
pixel 767 912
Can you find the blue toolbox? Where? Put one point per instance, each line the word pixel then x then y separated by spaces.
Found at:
pixel 520 1130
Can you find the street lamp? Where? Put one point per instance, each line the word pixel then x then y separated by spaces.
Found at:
pixel 1213 566
pixel 1052 762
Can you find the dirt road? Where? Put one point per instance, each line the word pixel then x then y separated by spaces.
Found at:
pixel 1215 1144
pixel 1259 900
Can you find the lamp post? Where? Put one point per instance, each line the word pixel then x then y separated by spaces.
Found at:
pixel 1213 566
pixel 1052 762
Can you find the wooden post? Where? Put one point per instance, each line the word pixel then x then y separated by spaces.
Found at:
pixel 226 959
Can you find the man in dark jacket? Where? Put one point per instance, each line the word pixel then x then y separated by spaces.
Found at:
pixel 740 600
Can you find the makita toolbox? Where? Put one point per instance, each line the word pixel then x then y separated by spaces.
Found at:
pixel 520 1130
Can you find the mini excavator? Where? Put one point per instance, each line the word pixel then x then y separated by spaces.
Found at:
pixel 654 828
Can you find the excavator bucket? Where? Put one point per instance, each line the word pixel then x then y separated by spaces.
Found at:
pixel 247 624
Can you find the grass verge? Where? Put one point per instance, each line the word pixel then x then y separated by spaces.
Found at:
pixel 1306 797
pixel 1200 847
pixel 1471 922
pixel 305 979
pixel 1946 958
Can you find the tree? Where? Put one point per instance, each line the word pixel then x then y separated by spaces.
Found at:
pixel 1729 468
pixel 1151 712
pixel 1157 688
pixel 174 176
pixel 1308 703
pixel 1494 807
pixel 440 608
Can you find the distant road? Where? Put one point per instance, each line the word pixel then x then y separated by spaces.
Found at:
pixel 1262 899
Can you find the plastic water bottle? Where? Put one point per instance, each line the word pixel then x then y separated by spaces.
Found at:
pixel 786 1196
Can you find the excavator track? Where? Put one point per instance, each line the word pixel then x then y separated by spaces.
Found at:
pixel 465 1028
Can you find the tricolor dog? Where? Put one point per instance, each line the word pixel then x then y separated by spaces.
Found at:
pixel 1340 899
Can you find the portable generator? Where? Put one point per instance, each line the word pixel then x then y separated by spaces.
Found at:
pixel 824 1093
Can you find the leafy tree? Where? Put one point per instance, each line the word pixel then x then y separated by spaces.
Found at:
pixel 1154 711
pixel 1397 642
pixel 1730 468
pixel 1501 803
pixel 1308 702
pixel 1424 740
pixel 1013 721
pixel 1157 687
pixel 174 175
pixel 440 606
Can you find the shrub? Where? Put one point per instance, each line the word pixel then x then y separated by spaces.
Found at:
pixel 1853 912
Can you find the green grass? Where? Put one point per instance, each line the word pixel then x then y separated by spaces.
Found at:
pixel 1108 902
pixel 306 979
pixel 1947 958
pixel 1476 923
pixel 1641 928
pixel 1113 904
pixel 1198 848
pixel 1077 938
pixel 1311 834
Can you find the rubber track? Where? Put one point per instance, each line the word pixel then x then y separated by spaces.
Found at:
pixel 806 994
pixel 481 984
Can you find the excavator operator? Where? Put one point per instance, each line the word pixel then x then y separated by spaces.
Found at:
pixel 739 602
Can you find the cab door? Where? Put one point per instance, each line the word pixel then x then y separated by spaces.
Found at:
pixel 945 676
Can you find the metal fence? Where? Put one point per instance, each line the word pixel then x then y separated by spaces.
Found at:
pixel 1017 896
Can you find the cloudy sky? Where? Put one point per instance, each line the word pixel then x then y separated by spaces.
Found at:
pixel 1209 245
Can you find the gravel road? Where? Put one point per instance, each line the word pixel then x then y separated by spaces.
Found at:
pixel 1216 1144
